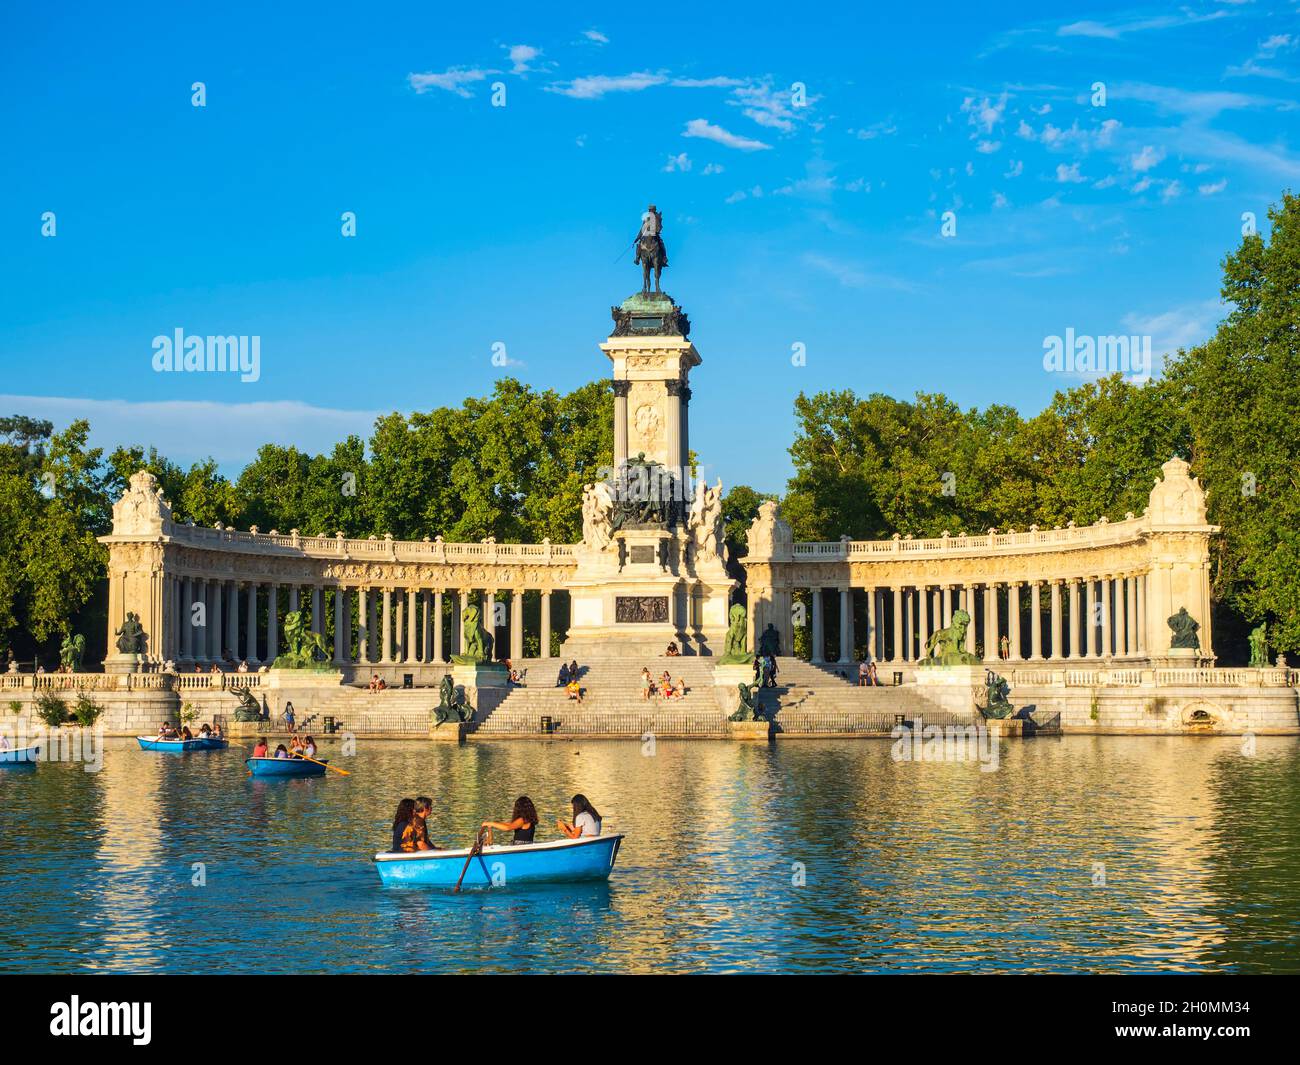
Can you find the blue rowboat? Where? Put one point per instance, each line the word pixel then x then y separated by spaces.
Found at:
pixel 20 756
pixel 285 767
pixel 153 743
pixel 553 862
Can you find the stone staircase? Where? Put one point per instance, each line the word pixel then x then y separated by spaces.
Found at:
pixel 812 698
pixel 612 703
pixel 395 710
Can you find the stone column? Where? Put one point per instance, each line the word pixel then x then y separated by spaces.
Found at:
pixel 621 389
pixel 947 606
pixel 1121 618
pixel 897 618
pixel 363 625
pixel 516 627
pixel 870 594
pixel 1036 624
pixel 372 625
pixel 909 597
pixel 818 653
pixel 923 621
pixel 685 430
pixel 1090 627
pixel 846 625
pixel 1107 648
pixel 187 620
pixel 273 623
pixel 673 428
pixel 250 623
pixel 1013 622
pixel 386 629
pixel 546 625
pixel 1057 650
pixel 458 623
pixel 426 628
pixel 342 626
pixel 293 599
pixel 1076 624
pixel 992 623
pixel 490 621
pixel 232 618
pixel 215 628
pixel 412 617
pixel 1142 614
pixel 970 609
pixel 1134 628
pixel 317 609
pixel 437 627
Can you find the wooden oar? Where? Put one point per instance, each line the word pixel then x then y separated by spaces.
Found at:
pixel 325 764
pixel 474 852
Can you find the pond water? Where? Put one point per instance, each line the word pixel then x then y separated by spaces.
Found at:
pixel 1078 854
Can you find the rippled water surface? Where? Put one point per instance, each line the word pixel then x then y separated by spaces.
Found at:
pixel 909 866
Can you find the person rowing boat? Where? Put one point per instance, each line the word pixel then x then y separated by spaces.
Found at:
pixel 523 822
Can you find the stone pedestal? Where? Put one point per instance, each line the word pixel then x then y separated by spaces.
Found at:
pixel 1006 726
pixel 119 663
pixel 305 680
pixel 448 731
pixel 726 680
pixel 482 682
pixel 952 688
pixel 750 731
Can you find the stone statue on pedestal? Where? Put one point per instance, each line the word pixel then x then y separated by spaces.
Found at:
pixel 769 643
pixel 705 520
pixel 452 705
pixel 735 649
pixel 71 652
pixel 1184 628
pixel 249 709
pixel 131 637
pixel 947 647
pixel 1259 646
pixel 597 515
pixel 474 638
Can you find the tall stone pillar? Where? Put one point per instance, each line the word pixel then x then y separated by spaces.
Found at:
pixel 372 626
pixel 1057 650
pixel 673 427
pixel 818 653
pixel 438 656
pixel 1013 622
pixel 1076 619
pixel 363 625
pixel 1035 624
pixel 947 606
pixel 1107 647
pixel 386 629
pixel 250 624
pixel 897 596
pixel 273 623
pixel 970 609
pixel 317 609
pixel 516 627
pixel 187 620
pixel 1121 617
pixel 621 389
pixel 458 623
pixel 490 621
pixel 846 625
pixel 923 620
pixel 1143 645
pixel 293 599
pixel 992 625
pixel 342 626
pixel 232 618
pixel 426 627
pixel 1135 627
pixel 909 633
pixel 1090 649
pixel 217 629
pixel 546 625
pixel 411 626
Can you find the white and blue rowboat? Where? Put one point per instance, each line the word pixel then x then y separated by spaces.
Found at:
pixel 286 767
pixel 20 756
pixel 554 862
pixel 153 743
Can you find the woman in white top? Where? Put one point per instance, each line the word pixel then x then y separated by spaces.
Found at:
pixel 586 820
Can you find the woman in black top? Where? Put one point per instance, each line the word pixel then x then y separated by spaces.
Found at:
pixel 523 820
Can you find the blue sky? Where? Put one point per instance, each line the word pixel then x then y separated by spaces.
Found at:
pixel 813 222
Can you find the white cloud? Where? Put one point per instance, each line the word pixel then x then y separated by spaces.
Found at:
pixel 522 55
pixel 852 275
pixel 1017 168
pixel 1069 174
pixel 595 36
pixel 741 194
pixel 988 147
pixel 681 161
pixel 452 80
pixel 595 86
pixel 1212 189
pixel 984 114
pixel 1181 327
pixel 712 168
pixel 698 127
pixel 1147 158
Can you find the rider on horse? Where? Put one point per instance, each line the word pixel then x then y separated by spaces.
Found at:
pixel 650 251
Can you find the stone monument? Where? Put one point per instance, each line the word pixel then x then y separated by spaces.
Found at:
pixel 651 568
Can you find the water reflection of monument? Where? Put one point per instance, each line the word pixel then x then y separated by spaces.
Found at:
pixel 651 565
